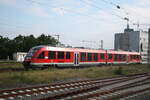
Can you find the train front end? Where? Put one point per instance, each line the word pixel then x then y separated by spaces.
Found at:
pixel 30 57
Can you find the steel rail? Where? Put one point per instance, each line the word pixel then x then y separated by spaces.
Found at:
pixel 81 86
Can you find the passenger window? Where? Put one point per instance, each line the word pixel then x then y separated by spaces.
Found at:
pixel 120 57
pixel 95 57
pixel 138 57
pixel 109 56
pixel 132 56
pixel 83 57
pixel 124 57
pixel 67 55
pixel 89 56
pixel 60 55
pixel 52 55
pixel 116 57
pixel 41 55
pixel 102 56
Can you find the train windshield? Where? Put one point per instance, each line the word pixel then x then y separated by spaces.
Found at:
pixel 32 52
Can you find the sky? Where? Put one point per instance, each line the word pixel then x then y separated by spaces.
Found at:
pixel 74 20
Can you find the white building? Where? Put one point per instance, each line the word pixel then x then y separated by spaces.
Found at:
pixel 132 40
pixel 19 56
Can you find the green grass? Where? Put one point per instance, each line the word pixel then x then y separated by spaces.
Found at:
pixel 10 64
pixel 32 77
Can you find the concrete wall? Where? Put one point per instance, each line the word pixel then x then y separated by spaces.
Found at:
pixel 144 45
pixel 133 41
pixel 134 38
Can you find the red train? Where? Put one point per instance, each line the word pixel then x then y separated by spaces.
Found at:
pixel 47 56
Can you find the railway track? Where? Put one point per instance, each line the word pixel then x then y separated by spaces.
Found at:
pixel 108 88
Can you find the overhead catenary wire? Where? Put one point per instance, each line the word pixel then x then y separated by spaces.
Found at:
pixel 39 3
pixel 87 15
pixel 124 10
pixel 127 17
pixel 127 14
pixel 117 6
pixel 65 9
pixel 72 11
pixel 94 5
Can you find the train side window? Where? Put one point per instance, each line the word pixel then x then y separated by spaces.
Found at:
pixel 95 57
pixel 109 56
pixel 52 55
pixel 131 56
pixel 60 55
pixel 116 57
pixel 120 57
pixel 41 55
pixel 102 56
pixel 83 57
pixel 89 56
pixel 124 57
pixel 67 55
pixel 138 57
pixel 134 56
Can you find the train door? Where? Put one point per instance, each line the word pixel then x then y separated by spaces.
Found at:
pixel 127 59
pixel 76 59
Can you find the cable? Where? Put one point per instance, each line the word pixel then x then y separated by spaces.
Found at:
pixel 71 11
pixel 101 9
pixel 122 8
pixel 65 9
pixel 117 6
pixel 40 3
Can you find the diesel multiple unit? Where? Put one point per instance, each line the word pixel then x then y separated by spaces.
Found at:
pixel 47 56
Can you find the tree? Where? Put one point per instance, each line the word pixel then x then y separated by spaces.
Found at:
pixel 3 47
pixel 23 44
pixel 46 40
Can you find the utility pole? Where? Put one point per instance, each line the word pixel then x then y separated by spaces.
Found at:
pixel 58 36
pixel 101 44
pixel 148 51
pixel 127 19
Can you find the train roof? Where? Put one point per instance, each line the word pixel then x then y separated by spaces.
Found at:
pixel 123 52
pixel 68 49
pixel 84 50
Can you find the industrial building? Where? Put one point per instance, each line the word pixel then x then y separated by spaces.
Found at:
pixel 132 40
pixel 19 56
